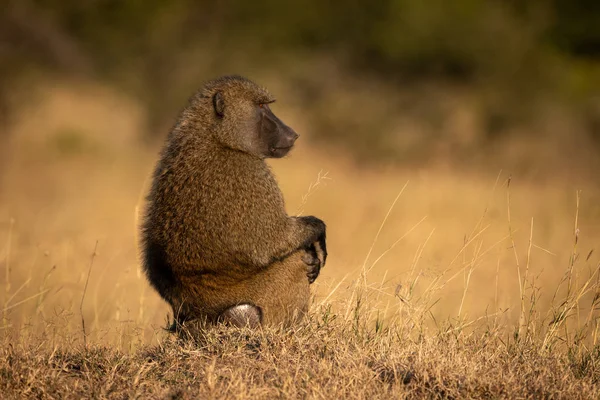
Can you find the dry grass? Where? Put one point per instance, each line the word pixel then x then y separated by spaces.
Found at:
pixel 322 359
pixel 441 283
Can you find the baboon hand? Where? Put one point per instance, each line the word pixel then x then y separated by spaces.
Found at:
pixel 315 248
pixel 318 235
pixel 314 258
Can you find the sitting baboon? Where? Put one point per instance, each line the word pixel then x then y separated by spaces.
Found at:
pixel 217 241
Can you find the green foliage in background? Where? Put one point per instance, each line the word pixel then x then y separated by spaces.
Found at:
pixel 512 51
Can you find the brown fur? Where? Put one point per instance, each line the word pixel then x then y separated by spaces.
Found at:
pixel 216 232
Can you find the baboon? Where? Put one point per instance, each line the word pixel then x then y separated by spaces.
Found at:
pixel 217 241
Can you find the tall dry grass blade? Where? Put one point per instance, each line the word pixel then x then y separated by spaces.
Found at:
pixel 38 306
pixel 481 254
pixel 570 302
pixel 466 245
pixel 595 303
pixel 496 288
pixel 573 257
pixel 487 205
pixel 544 250
pixel 395 243
pixel 83 295
pixel 411 277
pixel 512 242
pixel 332 291
pixel 24 300
pixel 471 265
pixel 17 292
pixel 312 188
pixel 381 226
pixel 7 257
pixel 523 325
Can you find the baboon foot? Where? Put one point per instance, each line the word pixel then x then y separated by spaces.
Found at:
pixel 242 315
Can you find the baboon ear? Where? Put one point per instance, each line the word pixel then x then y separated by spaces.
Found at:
pixel 219 104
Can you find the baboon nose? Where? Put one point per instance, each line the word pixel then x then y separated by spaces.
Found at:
pixel 291 134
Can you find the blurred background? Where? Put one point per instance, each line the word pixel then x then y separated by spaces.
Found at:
pixel 452 99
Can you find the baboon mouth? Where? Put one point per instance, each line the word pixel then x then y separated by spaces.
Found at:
pixel 278 152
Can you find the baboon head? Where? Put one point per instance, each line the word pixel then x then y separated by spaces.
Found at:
pixel 243 120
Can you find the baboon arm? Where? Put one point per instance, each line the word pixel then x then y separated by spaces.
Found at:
pixel 299 233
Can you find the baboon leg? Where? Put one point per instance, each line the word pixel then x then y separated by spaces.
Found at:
pixel 243 315
pixel 278 295
pixel 281 292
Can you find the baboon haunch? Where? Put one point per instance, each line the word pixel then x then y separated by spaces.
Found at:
pixel 217 241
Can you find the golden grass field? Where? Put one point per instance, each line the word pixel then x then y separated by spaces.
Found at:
pixel 440 282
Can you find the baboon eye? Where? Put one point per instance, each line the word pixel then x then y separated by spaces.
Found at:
pixel 261 105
